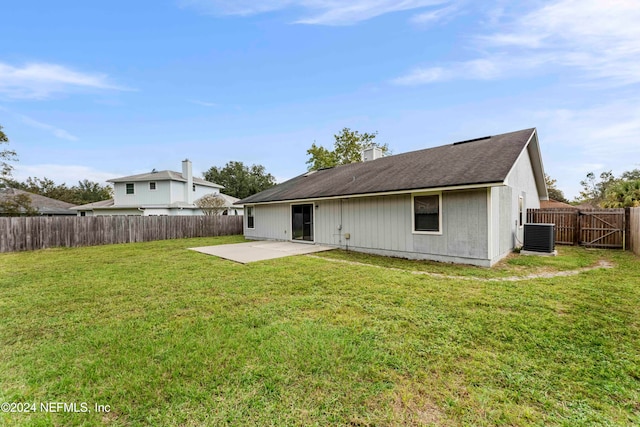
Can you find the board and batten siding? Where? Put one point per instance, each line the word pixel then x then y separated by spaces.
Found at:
pixel 382 222
pixel 382 225
pixel 502 225
pixel 464 229
pixel 522 183
pixel 271 222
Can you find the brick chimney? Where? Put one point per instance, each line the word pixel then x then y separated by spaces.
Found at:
pixel 187 174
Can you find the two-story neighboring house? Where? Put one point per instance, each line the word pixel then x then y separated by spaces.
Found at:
pixel 158 193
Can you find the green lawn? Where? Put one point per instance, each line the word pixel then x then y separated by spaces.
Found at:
pixel 167 336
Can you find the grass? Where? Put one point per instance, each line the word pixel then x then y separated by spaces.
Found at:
pixel 167 336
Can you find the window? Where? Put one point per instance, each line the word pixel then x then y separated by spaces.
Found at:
pixel 426 213
pixel 250 223
pixel 130 188
pixel 520 211
pixel 152 186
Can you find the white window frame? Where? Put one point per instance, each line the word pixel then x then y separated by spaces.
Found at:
pixel 251 214
pixel 413 213
pixel 133 188
pixel 521 212
pixel 155 186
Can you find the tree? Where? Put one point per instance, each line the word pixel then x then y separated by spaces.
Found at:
pixel 211 204
pixel 554 192
pixel 347 148
pixel 623 194
pixel 85 192
pixel 239 180
pixel 11 204
pixel 594 190
pixel 47 188
pixel 16 204
pixel 6 156
pixel 89 191
pixel 631 175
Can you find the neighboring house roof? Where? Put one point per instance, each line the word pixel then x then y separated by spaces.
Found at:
pixel 481 161
pixel 101 204
pixel 587 205
pixel 230 201
pixel 163 176
pixel 44 205
pixel 554 204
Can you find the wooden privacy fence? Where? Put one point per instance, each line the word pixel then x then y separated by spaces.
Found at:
pixel 598 228
pixel 566 222
pixel 634 230
pixel 29 233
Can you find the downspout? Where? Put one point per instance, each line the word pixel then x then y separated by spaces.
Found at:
pixel 340 225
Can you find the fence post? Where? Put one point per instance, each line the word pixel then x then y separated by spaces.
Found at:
pixel 627 229
pixel 578 230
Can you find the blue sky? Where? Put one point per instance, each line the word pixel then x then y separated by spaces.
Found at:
pixel 104 89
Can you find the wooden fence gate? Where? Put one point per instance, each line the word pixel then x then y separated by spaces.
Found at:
pixel 604 228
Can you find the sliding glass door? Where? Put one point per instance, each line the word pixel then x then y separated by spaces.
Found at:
pixel 302 222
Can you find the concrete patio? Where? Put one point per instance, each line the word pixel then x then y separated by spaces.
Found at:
pixel 260 250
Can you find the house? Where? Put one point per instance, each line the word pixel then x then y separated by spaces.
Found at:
pixel 588 205
pixel 464 202
pixel 555 204
pixel 45 206
pixel 158 193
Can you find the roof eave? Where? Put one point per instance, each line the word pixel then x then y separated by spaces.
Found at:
pixel 382 193
pixel 532 147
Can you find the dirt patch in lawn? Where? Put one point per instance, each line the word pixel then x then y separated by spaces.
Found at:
pixel 601 264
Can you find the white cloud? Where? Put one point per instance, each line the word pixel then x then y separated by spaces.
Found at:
pixel 203 103
pixel 598 39
pixel 424 75
pixel 601 138
pixel 476 69
pixel 29 121
pixel 238 7
pixel 324 12
pixel 68 174
pixel 57 132
pixel 41 80
pixel 436 15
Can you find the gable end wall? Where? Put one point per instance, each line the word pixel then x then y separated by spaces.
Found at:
pixel 521 181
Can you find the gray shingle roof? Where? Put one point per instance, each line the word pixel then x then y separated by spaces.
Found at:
pixel 45 205
pixel 483 161
pixel 101 204
pixel 163 176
